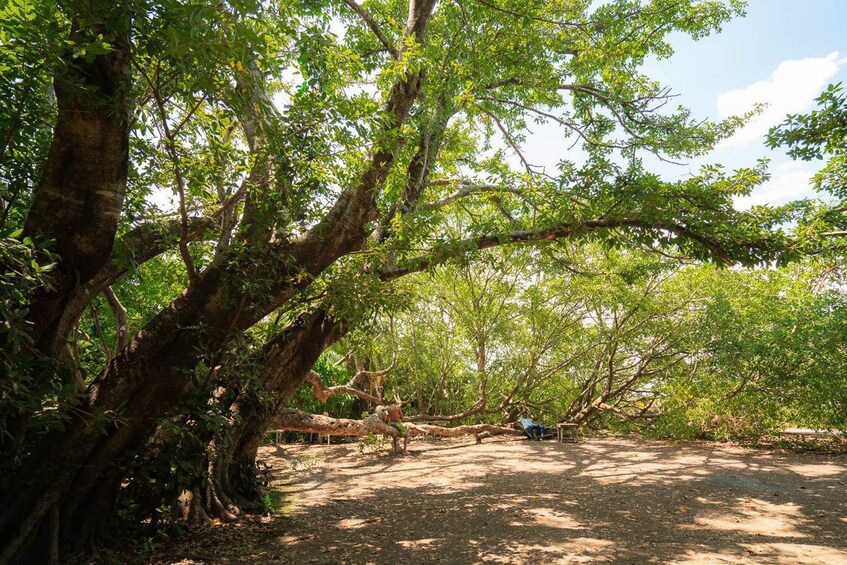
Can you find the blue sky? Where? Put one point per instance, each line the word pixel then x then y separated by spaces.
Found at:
pixel 783 53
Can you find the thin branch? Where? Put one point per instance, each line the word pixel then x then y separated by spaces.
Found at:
pixel 511 141
pixel 120 314
pixel 467 189
pixel 170 144
pixel 374 27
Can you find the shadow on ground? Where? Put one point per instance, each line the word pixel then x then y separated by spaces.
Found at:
pixel 515 501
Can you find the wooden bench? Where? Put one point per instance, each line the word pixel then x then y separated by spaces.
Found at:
pixel 567 432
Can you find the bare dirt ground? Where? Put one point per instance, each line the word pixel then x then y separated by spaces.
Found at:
pixel 516 501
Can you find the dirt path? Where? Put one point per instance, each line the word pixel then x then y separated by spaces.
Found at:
pixel 515 501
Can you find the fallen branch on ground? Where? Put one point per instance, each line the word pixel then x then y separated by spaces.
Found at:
pixel 297 420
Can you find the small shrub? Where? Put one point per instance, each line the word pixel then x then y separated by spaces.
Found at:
pixel 372 443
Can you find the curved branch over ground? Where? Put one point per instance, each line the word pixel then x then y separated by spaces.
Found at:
pixel 297 420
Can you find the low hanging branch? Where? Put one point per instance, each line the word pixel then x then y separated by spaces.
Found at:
pixel 299 421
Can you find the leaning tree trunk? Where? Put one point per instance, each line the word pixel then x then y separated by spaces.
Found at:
pixel 286 361
pixel 139 387
pixel 297 420
pixel 154 372
pixel 285 370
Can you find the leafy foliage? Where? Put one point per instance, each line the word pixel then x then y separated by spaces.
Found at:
pixel 24 271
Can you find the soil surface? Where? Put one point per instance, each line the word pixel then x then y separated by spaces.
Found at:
pixel 517 501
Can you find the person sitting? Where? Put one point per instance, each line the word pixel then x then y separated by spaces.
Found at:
pixel 395 420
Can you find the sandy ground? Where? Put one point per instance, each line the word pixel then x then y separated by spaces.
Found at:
pixel 516 501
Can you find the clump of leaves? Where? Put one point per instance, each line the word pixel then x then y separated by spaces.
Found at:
pixel 273 502
pixel 24 270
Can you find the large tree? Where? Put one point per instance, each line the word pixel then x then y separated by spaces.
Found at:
pixel 318 150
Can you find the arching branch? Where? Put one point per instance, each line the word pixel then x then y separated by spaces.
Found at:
pixel 441 254
pixel 323 392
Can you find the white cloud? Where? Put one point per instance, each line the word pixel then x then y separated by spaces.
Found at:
pixel 789 181
pixel 790 89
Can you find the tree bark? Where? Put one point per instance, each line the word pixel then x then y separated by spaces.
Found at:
pixel 297 420
pixel 78 202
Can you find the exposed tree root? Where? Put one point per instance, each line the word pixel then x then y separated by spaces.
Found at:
pixel 218 502
pixel 191 511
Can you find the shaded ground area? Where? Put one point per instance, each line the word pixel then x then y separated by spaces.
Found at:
pixel 515 501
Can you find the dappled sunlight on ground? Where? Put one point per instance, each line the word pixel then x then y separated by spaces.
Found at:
pixel 577 550
pixel 516 501
pixel 816 470
pixel 758 517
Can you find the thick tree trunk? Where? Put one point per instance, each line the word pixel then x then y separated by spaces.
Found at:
pixel 242 475
pixel 148 379
pixel 78 202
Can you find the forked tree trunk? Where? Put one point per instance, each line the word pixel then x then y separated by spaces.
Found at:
pixel 150 377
